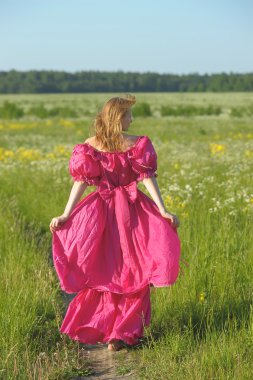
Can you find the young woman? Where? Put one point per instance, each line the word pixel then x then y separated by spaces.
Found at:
pixel 115 243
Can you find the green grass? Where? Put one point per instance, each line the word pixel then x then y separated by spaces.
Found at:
pixel 202 327
pixel 31 346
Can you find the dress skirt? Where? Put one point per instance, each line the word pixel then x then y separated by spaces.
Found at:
pixel 99 316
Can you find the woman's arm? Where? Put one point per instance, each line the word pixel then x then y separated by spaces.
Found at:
pixel 151 185
pixel 74 197
pixel 75 194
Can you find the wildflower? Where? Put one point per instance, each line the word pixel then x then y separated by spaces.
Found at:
pixel 28 154
pixel 15 126
pixel 214 209
pixel 50 155
pixel 248 153
pixel 66 123
pixel 217 148
pixel 8 153
pixel 202 296
pixel 5 154
pixel 60 150
pixel 168 201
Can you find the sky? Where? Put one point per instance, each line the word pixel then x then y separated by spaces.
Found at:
pixel 161 36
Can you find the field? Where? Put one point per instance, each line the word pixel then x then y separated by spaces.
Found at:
pixel 202 327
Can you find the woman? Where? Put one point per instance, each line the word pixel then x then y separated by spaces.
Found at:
pixel 115 243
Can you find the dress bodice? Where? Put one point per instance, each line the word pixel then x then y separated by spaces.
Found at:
pixel 113 169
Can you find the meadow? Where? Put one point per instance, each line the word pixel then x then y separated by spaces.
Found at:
pixel 201 327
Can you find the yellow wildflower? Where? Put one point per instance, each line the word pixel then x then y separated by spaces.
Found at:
pixel 248 153
pixel 49 123
pixel 66 123
pixel 60 150
pixel 5 154
pixel 28 154
pixel 202 296
pixel 168 201
pixel 178 203
pixel 16 126
pixel 8 153
pixel 217 148
pixel 50 155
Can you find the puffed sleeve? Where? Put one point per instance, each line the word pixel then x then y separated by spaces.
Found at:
pixel 83 166
pixel 144 159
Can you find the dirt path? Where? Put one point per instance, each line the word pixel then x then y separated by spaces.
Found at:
pixel 105 363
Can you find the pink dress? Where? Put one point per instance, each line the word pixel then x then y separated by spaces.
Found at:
pixel 114 246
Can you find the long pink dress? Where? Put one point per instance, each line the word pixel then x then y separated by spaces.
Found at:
pixel 114 246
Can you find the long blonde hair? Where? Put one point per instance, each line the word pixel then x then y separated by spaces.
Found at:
pixel 107 124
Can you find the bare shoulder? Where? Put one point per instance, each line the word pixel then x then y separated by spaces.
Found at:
pixel 92 141
pixel 131 138
pixel 127 138
pixel 89 139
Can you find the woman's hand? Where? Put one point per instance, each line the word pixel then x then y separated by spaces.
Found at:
pixel 57 222
pixel 153 189
pixel 173 219
pixel 74 197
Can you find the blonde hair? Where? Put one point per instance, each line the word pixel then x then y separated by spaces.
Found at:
pixel 107 124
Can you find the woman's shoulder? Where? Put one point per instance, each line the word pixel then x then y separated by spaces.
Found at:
pixel 130 141
pixel 130 138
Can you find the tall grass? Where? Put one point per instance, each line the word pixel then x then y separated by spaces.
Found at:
pixel 202 327
pixel 31 304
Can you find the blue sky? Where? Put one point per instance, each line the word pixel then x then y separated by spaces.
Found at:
pixel 163 36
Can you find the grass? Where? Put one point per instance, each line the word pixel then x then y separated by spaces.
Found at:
pixel 31 304
pixel 202 326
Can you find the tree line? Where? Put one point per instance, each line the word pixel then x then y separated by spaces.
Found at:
pixel 44 81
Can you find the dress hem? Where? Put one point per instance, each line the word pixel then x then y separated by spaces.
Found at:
pixel 130 339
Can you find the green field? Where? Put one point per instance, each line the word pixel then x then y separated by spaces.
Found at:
pixel 202 327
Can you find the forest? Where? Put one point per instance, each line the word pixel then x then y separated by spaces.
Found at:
pixel 44 81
